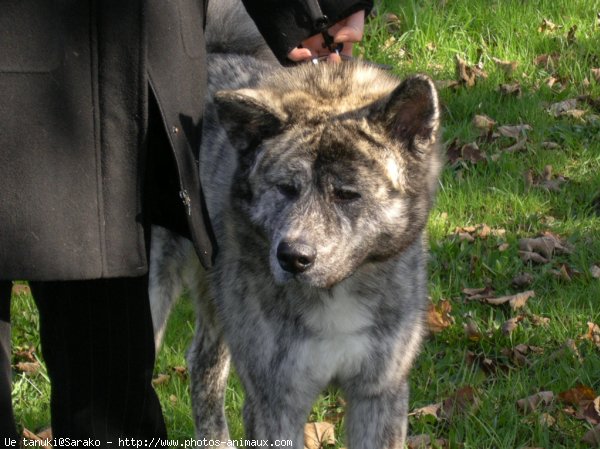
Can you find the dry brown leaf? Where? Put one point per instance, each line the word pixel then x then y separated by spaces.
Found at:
pixel 466 74
pixel 593 334
pixel 26 355
pixel 558 109
pixel 503 247
pixel 515 301
pixel 318 434
pixel 514 131
pixel 547 61
pixel 428 410
pixel 568 348
pixel 531 403
pixel 471 153
pixel 513 89
pixel 547 25
pixel 537 320
pixel 483 123
pixel 160 379
pixel 181 371
pixel 592 437
pixel 546 419
pixel 529 256
pixel 28 367
pixel 510 325
pixel 577 395
pixel 544 245
pixel 438 316
pixel 550 145
pixel 522 280
pixel 596 74
pixel 590 411
pixel 507 67
pixel 463 400
pixel 21 289
pixel 392 22
pixel 478 293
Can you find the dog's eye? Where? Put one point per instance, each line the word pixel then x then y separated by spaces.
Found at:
pixel 288 190
pixel 345 195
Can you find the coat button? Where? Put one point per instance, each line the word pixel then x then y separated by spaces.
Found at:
pixel 174 129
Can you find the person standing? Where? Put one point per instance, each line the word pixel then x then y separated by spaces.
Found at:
pixel 99 131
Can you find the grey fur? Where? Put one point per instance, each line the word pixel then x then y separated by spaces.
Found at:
pixel 318 182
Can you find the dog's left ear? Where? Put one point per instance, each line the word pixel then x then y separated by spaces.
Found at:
pixel 411 113
pixel 248 117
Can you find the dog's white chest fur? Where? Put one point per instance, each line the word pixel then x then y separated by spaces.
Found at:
pixel 340 340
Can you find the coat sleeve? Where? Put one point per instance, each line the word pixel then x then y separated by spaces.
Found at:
pixel 286 23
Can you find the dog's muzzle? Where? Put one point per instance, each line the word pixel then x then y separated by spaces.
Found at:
pixel 295 257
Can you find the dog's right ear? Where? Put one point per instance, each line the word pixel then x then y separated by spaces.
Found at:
pixel 248 117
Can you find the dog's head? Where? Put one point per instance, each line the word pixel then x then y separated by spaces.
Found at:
pixel 338 166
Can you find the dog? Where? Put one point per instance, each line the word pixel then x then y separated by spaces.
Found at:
pixel 318 181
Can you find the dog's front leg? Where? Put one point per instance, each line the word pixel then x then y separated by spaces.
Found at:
pixel 275 421
pixel 378 421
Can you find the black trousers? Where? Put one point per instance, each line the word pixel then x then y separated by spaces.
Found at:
pixel 98 345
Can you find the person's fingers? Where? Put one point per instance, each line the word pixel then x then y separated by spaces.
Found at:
pixel 334 57
pixel 352 31
pixel 299 54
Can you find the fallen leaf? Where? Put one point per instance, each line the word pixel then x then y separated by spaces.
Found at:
pixel 546 419
pixel 544 245
pixel 515 301
pixel 592 437
pixel 463 400
pixel 20 289
pixel 537 320
pixel 558 109
pixel 503 247
pixel 181 371
pixel 466 74
pixel 318 434
pixel 392 22
pixel 160 379
pixel 424 441
pixel 593 334
pixel 596 74
pixel 569 347
pixel 173 399
pixel 531 403
pixel 548 61
pixel 547 25
pixel 478 293
pixel 428 410
pixel 507 67
pixel 28 367
pixel 595 271
pixel 550 145
pixel 26 355
pixel 514 131
pixel 522 280
pixel 510 325
pixel 578 394
pixel 513 89
pixel 438 316
pixel 590 411
pixel 483 123
pixel 471 153
pixel 529 256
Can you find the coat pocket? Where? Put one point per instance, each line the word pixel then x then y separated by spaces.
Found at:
pixel 29 36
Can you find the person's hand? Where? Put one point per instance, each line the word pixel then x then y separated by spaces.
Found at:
pixel 347 31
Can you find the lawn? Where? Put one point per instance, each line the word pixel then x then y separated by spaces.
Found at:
pixel 535 64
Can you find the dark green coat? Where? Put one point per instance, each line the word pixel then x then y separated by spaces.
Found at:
pixel 76 81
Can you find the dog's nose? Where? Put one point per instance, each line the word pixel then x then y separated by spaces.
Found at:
pixel 295 257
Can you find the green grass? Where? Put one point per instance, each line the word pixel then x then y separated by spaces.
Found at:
pixel 429 35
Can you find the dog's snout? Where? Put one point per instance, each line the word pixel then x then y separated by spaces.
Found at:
pixel 295 257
